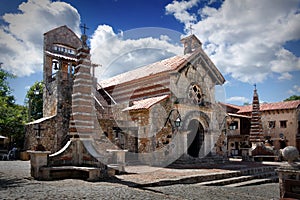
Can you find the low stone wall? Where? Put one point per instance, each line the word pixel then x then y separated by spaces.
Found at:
pixel 48 136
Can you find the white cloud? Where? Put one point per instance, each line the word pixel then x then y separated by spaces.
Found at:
pixel 285 76
pixel 21 41
pixel 295 90
pixel 238 99
pixel 116 53
pixel 180 10
pixel 246 38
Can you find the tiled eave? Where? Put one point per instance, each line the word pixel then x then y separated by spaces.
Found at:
pixel 145 103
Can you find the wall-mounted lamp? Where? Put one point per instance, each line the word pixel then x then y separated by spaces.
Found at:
pixel 36 91
pixel 177 122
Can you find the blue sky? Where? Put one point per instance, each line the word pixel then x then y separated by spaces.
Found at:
pixel 249 41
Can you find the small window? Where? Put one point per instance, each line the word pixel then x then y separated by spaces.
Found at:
pixel 283 124
pixel 271 124
pixel 63 49
pixel 233 125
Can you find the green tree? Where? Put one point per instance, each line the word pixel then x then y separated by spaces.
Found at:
pixel 5 90
pixel 13 116
pixel 34 101
pixel 292 98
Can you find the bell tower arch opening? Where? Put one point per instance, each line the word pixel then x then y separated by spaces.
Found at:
pixel 195 138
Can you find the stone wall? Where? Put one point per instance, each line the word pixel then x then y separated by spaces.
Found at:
pixel 48 136
pixel 289 132
pixel 61 35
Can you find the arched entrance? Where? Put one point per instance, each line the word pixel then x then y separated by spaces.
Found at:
pixel 195 138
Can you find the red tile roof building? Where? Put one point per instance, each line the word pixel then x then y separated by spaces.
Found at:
pixel 166 108
pixel 280 122
pixel 142 102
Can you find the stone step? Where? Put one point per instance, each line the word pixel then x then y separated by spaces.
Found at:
pixel 258 170
pixel 254 182
pixel 202 161
pixel 226 181
pixel 238 179
pixel 192 179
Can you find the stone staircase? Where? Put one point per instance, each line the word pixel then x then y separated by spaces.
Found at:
pixel 188 161
pixel 246 177
pixel 230 178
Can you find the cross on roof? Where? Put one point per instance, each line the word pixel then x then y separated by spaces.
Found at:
pixel 254 86
pixel 84 27
pixel 191 29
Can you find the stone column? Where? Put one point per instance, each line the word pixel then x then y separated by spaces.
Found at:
pixel 38 159
pixel 289 174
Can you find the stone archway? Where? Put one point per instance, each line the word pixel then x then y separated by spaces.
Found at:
pixel 195 138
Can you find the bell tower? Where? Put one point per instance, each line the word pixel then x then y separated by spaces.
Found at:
pixel 60 50
pixel 191 43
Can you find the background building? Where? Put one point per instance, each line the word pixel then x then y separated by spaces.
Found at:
pixel 280 125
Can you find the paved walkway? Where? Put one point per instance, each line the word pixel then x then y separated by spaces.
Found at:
pixel 16 183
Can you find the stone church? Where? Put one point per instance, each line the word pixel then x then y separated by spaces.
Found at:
pixel 159 113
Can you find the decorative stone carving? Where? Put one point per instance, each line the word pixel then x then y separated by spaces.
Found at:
pixel 289 175
pixel 290 153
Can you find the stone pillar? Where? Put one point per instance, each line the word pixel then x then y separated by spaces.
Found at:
pixel 289 174
pixel 118 157
pixel 38 159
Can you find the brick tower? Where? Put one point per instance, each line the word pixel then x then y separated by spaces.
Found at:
pixel 256 134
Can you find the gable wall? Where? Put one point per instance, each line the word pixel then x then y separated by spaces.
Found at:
pixel 194 73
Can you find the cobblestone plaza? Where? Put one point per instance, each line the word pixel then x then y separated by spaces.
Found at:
pixel 16 183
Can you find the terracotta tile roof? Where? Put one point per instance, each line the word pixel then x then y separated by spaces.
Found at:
pixel 272 106
pixel 145 103
pixel 231 105
pixel 168 64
